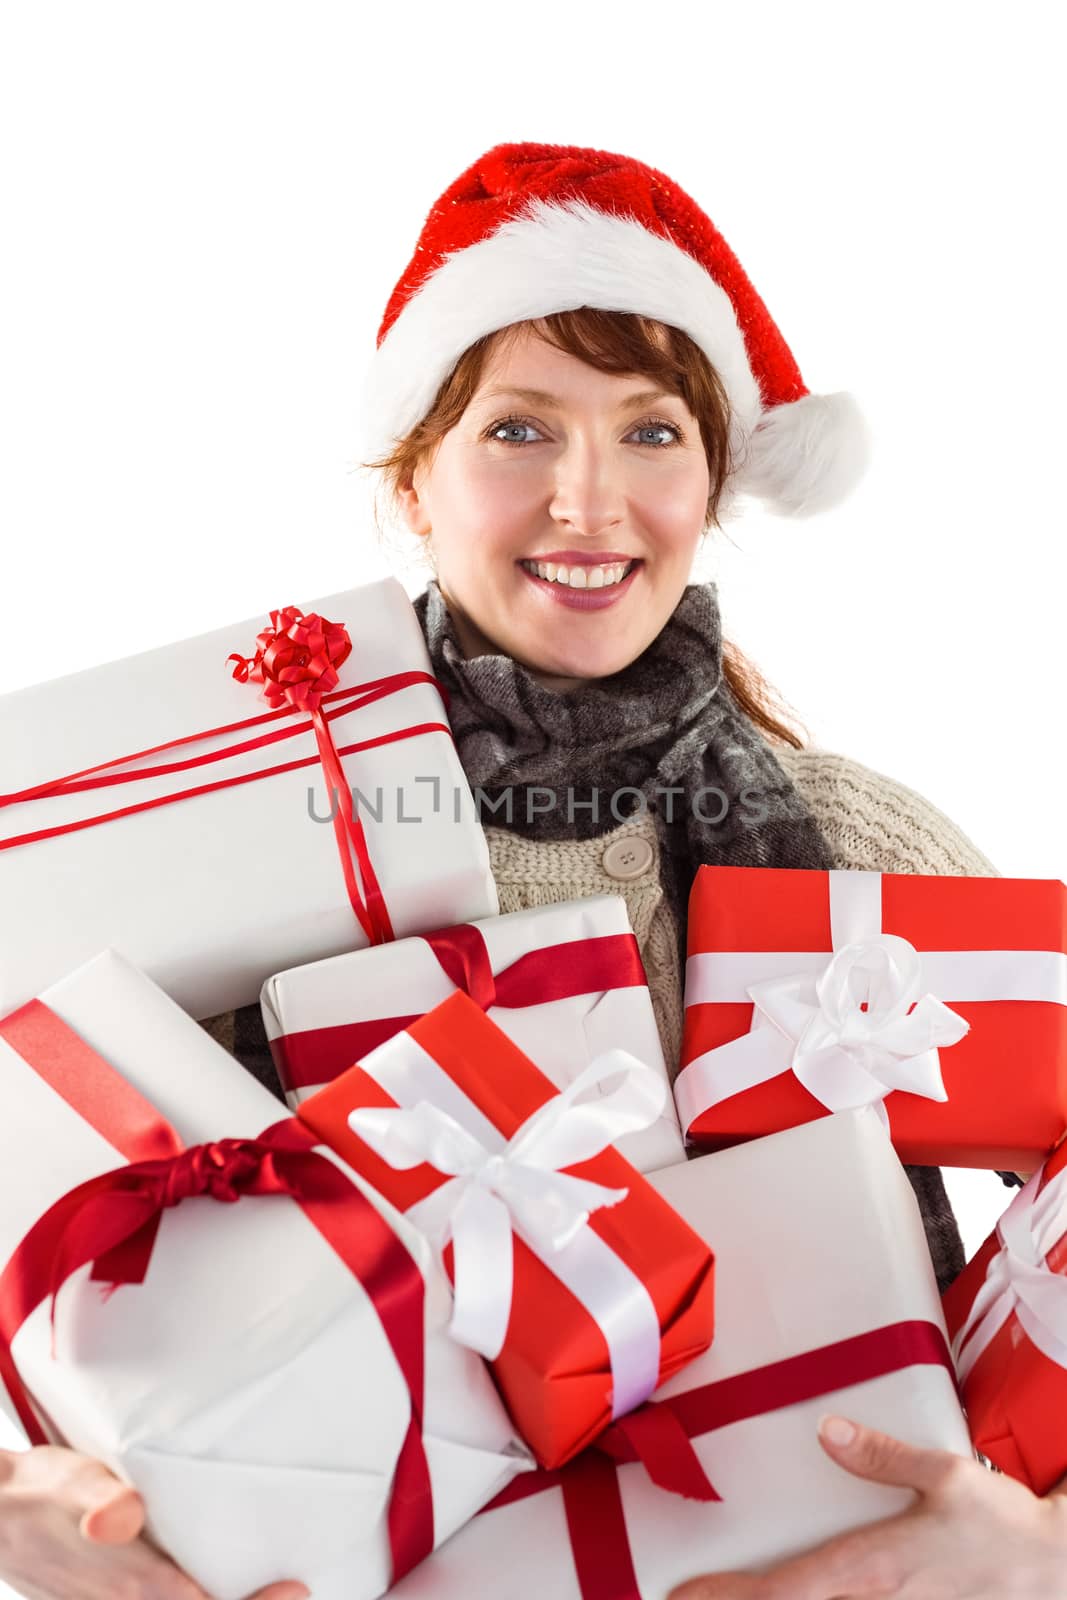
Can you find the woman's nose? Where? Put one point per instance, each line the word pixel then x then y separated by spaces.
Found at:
pixel 588 492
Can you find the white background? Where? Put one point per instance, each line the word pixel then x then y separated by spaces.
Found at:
pixel 205 208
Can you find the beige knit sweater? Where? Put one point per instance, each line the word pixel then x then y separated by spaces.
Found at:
pixel 870 822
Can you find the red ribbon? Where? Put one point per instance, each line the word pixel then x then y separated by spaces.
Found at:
pixel 297 660
pixel 112 1221
pixel 591 1498
pixel 315 1056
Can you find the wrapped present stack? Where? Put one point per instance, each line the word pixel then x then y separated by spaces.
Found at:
pixel 468 1297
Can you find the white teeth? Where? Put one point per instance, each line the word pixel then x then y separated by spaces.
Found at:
pixel 580 577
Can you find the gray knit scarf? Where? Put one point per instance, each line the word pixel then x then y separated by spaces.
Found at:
pixel 664 733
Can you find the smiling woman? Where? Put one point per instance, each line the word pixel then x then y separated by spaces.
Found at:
pixel 485 513
pixel 574 380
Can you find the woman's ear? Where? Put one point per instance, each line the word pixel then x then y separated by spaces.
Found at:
pixel 412 509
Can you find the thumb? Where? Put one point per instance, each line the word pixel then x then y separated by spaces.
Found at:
pixel 111 1511
pixel 870 1454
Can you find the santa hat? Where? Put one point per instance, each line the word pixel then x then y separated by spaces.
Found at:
pixel 529 229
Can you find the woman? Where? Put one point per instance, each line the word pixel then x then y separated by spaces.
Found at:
pixel 574 379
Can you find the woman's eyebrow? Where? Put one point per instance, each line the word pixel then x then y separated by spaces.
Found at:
pixel 539 397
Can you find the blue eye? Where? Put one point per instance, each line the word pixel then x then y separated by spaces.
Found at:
pixel 649 425
pixel 508 422
pixel 664 427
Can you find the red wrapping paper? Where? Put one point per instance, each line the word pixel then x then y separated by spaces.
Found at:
pixel 553 1370
pixel 1015 1397
pixel 1024 1042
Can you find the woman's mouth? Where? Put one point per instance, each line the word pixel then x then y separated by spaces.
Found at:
pixel 582 588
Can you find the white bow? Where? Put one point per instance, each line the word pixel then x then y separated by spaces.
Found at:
pixel 862 1027
pixel 1019 1280
pixel 517 1187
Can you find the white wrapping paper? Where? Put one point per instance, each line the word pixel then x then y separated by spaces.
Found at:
pixel 817 1237
pixel 210 895
pixel 246 1388
pixel 561 1036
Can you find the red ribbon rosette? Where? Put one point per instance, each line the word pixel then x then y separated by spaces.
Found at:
pixel 296 658
pixel 296 661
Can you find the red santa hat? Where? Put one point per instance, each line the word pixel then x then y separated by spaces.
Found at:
pixel 529 229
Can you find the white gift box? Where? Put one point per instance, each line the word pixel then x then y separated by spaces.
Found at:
pixel 246 1388
pixel 405 978
pixel 817 1238
pixel 211 894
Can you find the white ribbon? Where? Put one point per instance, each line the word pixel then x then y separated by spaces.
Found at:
pixel 1018 1278
pixel 498 1187
pixel 808 1012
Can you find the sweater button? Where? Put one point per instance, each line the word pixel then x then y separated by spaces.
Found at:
pixel 627 858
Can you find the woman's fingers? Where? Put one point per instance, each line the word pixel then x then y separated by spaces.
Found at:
pixel 870 1454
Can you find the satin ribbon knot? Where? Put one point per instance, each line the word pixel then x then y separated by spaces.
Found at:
pixel 863 1026
pixel 1018 1279
pixel 296 658
pixel 493 1192
pixel 223 1170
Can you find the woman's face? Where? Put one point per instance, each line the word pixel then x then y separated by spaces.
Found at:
pixel 589 471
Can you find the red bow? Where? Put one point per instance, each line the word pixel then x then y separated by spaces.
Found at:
pixel 138 1194
pixel 296 658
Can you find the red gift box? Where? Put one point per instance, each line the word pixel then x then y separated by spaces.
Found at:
pixel 808 992
pixel 1007 1318
pixel 560 1367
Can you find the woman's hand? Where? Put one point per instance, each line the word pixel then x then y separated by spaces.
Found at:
pixel 971 1535
pixel 70 1530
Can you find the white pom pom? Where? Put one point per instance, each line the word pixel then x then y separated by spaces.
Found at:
pixel 806 456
